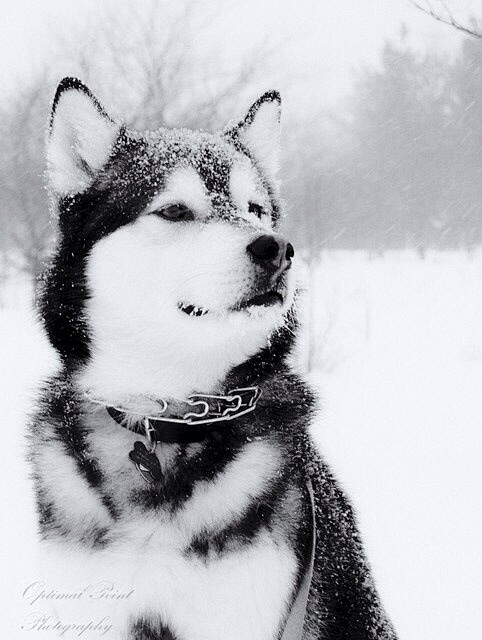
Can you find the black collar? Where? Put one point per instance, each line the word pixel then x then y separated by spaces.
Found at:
pixel 200 416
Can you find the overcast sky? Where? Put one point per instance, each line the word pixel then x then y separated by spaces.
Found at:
pixel 325 40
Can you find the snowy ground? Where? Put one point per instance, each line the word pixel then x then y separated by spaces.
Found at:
pixel 399 365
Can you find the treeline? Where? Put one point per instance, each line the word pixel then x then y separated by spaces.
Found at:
pixel 398 165
pixel 407 172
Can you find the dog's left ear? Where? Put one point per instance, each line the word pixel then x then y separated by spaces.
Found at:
pixel 259 132
pixel 80 140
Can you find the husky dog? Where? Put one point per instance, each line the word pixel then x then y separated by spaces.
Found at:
pixel 171 452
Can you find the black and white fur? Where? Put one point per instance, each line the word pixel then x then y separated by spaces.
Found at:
pixel 215 550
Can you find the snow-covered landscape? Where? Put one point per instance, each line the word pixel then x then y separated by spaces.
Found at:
pixel 398 361
pixel 380 181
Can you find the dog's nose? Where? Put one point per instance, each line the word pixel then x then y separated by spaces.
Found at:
pixel 271 252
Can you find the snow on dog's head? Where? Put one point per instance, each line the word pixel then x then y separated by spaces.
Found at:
pixel 170 269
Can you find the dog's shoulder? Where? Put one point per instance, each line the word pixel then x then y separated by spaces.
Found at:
pixel 343 593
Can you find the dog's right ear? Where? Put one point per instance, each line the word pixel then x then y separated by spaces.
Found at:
pixel 259 132
pixel 80 140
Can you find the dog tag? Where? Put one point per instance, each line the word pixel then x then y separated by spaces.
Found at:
pixel 146 462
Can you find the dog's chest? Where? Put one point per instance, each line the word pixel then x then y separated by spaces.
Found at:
pixel 241 595
pixel 239 590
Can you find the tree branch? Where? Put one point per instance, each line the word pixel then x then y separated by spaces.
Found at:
pixel 446 18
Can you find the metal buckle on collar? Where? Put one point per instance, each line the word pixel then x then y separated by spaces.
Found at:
pixel 240 401
pixel 253 394
pixel 150 434
pixel 213 408
pixel 229 410
pixel 194 403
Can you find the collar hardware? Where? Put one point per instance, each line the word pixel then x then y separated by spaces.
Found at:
pixel 193 425
pixel 199 409
pixel 193 418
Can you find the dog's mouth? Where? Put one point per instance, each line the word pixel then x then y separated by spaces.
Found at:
pixel 267 299
pixel 191 310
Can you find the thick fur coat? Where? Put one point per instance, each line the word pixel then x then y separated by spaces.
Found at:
pixel 152 294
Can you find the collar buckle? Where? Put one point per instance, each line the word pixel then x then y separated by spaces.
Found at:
pixel 210 409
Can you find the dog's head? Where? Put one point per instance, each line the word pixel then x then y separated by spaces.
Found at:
pixel 169 269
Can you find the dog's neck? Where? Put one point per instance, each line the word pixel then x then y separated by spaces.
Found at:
pixel 118 379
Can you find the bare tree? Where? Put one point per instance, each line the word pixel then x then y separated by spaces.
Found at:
pixel 445 16
pixel 143 60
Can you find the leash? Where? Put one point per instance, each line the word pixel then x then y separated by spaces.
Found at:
pixel 293 629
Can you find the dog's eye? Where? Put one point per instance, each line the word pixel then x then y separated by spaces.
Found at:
pixel 175 212
pixel 257 209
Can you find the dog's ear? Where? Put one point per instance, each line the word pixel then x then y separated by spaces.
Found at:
pixel 259 132
pixel 80 139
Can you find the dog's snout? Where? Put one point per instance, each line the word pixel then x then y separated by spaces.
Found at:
pixel 272 252
pixel 264 248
